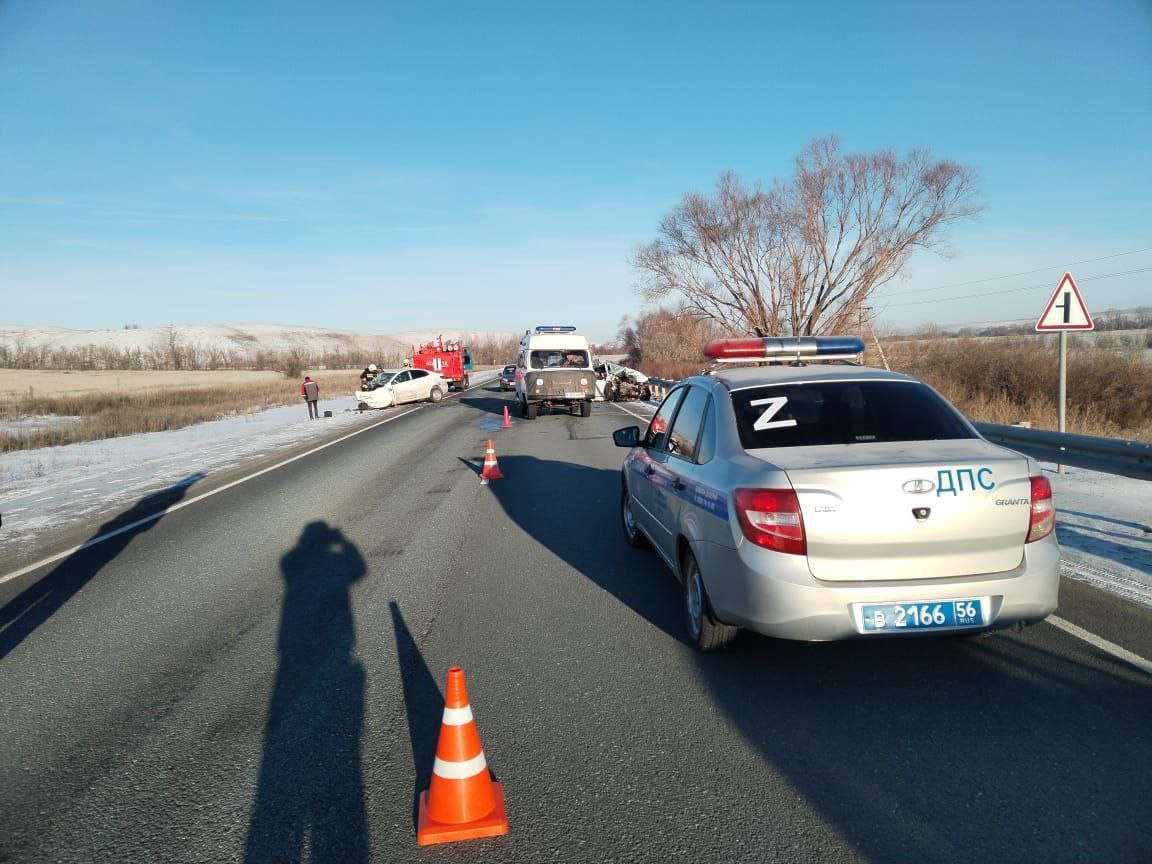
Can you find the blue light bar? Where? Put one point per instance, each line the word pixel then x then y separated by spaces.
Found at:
pixel 555 328
pixel 813 346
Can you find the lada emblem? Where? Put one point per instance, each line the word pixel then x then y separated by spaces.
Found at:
pixel 918 487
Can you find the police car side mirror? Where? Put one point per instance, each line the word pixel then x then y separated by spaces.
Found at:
pixel 627 437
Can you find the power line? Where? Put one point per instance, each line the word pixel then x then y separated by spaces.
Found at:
pixel 1013 290
pixel 1016 275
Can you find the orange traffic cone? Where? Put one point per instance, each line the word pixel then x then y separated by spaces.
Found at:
pixel 507 424
pixel 491 469
pixel 462 802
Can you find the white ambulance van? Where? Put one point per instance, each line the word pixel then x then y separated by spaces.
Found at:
pixel 554 370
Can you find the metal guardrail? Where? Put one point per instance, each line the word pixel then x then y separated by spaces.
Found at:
pixel 1108 455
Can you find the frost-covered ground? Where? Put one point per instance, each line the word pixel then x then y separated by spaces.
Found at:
pixel 1104 523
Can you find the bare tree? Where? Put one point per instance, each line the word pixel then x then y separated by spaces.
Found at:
pixel 804 256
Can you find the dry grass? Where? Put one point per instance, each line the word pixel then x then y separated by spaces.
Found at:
pixel 1013 378
pixel 15 383
pixel 68 416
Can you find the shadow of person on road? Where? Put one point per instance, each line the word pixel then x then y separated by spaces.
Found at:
pixel 423 702
pixel 310 798
pixel 37 603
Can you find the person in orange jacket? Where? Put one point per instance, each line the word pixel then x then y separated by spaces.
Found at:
pixel 310 390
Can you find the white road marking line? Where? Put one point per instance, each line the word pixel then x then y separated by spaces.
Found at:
pixel 633 413
pixel 1104 645
pixel 182 504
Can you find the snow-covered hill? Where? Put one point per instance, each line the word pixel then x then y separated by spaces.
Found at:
pixel 208 346
pixel 222 337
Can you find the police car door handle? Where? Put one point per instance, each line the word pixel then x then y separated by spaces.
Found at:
pixel 678 485
pixel 649 470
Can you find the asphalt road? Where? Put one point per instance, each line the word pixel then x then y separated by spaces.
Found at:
pixel 257 678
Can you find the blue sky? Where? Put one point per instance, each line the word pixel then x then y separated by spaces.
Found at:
pixel 382 167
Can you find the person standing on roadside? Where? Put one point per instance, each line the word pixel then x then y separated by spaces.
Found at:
pixel 310 390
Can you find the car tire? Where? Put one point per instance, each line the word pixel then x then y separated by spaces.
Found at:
pixel 530 409
pixel 436 394
pixel 363 406
pixel 585 409
pixel 704 631
pixel 633 536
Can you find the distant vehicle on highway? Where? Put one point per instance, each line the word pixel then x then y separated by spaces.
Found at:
pixel 398 386
pixel 817 502
pixel 508 377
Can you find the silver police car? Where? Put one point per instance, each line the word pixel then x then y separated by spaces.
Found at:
pixel 817 501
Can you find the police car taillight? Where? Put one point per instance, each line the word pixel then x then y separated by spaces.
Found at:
pixel 771 518
pixel 779 348
pixel 1043 518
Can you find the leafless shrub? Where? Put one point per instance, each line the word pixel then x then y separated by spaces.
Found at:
pixel 493 350
pixel 666 336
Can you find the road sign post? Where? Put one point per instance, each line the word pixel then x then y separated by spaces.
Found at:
pixel 1065 311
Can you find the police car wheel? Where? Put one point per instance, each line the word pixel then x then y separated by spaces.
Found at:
pixel 633 536
pixel 436 395
pixel 704 631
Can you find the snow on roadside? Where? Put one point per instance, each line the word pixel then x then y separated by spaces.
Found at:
pixel 1103 522
pixel 1104 525
pixel 51 487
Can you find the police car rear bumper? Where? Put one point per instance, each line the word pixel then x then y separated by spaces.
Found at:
pixel 791 604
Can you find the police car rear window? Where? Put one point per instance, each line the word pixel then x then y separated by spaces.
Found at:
pixel 843 412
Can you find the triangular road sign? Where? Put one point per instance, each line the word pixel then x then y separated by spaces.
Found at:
pixel 1066 309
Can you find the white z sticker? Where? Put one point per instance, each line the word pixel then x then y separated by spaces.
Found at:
pixel 765 421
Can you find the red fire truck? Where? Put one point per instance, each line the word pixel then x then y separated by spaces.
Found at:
pixel 450 358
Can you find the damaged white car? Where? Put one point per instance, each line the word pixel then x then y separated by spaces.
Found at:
pixel 397 386
pixel 616 383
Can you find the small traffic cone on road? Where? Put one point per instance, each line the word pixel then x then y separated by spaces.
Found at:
pixel 491 469
pixel 507 424
pixel 462 801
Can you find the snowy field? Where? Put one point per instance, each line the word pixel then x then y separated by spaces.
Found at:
pixel 1103 522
